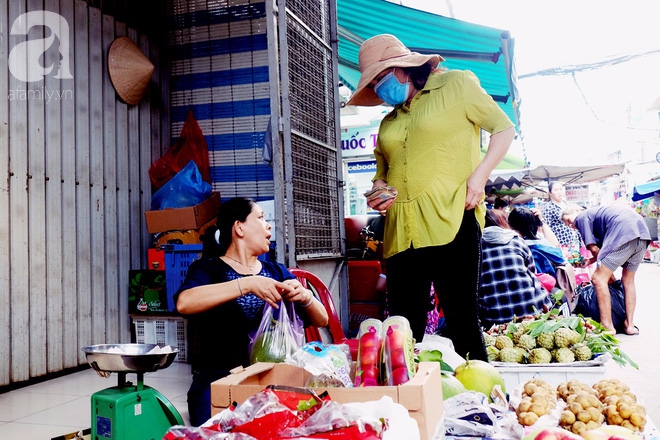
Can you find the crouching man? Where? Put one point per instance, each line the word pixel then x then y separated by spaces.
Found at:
pixel 617 237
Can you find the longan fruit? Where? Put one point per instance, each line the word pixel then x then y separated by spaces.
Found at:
pixel 614 419
pixel 583 416
pixel 593 401
pixel 625 410
pixel 538 409
pixel 540 399
pixel 611 400
pixel 530 388
pixel 528 418
pixel 574 407
pixel 567 417
pixel 583 400
pixel 524 406
pixel 594 414
pixel 629 425
pixel 611 410
pixel 637 419
pixel 592 425
pixel 579 427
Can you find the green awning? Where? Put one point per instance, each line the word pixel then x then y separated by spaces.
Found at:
pixel 488 52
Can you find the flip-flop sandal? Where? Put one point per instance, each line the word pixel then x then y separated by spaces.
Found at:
pixel 635 333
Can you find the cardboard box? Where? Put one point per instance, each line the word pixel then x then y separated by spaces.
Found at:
pixel 182 219
pixel 422 395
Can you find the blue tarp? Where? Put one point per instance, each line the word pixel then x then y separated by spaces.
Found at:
pixel 645 190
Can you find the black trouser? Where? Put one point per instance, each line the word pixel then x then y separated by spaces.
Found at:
pixel 199 394
pixel 454 269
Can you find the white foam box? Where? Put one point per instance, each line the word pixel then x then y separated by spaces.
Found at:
pixel 516 374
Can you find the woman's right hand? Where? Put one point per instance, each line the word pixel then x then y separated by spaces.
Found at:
pixel 378 205
pixel 382 206
pixel 265 288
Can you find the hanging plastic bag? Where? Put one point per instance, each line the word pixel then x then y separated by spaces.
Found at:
pixel 278 336
pixel 186 188
pixel 191 145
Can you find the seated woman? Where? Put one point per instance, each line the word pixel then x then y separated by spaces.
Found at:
pixel 224 294
pixel 509 287
pixel 539 237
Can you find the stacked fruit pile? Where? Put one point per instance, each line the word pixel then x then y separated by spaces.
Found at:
pixel 538 399
pixel 584 410
pixel 620 405
pixel 550 338
pixel 607 406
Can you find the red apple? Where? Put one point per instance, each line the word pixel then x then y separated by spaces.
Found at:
pixel 370 338
pixel 399 376
pixel 397 358
pixel 395 338
pixel 367 376
pixel 369 356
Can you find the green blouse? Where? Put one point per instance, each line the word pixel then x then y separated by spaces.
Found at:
pixel 427 152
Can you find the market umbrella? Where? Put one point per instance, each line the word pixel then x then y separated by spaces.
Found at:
pixel 516 196
pixel 573 174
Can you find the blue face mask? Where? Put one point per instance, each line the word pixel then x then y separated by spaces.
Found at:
pixel 390 90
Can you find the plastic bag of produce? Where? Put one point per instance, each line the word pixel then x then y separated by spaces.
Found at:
pixel 328 364
pixel 280 334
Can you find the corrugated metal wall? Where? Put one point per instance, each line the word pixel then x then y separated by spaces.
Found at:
pixel 219 68
pixel 71 207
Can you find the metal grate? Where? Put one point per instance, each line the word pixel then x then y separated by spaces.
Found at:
pixel 315 14
pixel 316 205
pixel 312 88
pixel 313 131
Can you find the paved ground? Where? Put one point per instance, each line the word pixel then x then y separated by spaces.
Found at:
pixel 644 348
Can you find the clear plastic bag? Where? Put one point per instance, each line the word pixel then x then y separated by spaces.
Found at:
pixel 328 364
pixel 278 336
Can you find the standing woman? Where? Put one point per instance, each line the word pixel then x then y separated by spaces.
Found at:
pixel 552 214
pixel 429 150
pixel 224 294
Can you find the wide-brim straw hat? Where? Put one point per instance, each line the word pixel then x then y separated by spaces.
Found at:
pixel 130 70
pixel 383 52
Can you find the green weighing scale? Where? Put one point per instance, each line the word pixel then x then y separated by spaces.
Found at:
pixel 130 411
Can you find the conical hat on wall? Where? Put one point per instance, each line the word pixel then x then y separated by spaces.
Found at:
pixel 130 70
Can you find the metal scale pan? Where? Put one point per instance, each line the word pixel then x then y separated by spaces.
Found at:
pixel 127 358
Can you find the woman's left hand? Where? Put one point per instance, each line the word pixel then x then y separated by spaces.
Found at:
pixel 475 192
pixel 296 293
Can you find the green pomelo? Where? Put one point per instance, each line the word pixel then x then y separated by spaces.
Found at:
pixel 267 348
pixel 479 376
pixel 451 386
